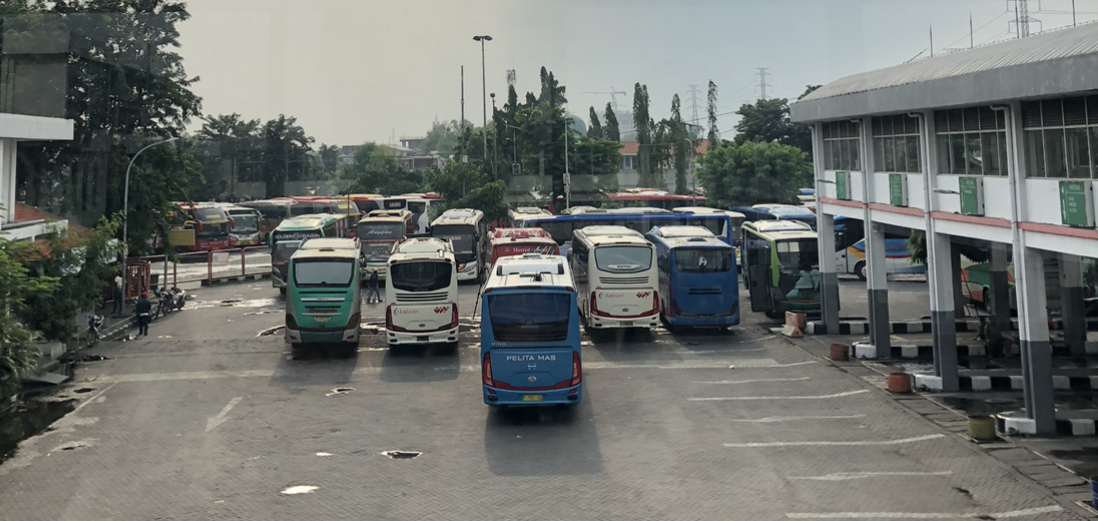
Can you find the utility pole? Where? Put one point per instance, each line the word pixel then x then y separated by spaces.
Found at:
pixel 463 113
pixel 931 40
pixel 970 35
pixel 484 88
pixel 567 176
pixel 762 82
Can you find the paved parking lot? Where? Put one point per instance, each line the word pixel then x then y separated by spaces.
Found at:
pixel 908 298
pixel 208 418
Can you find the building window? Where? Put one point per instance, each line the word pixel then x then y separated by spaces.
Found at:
pixel 1060 137
pixel 842 150
pixel 971 141
pixel 896 144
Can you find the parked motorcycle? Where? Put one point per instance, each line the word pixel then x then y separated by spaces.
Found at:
pixel 164 302
pixel 95 325
pixel 179 298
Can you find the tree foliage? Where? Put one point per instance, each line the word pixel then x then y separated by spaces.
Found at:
pixel 17 353
pixel 466 186
pixel 443 138
pixel 642 121
pixel 768 120
pixel 375 169
pixel 611 131
pixel 714 134
pixel 681 143
pixel 595 131
pixel 286 157
pixel 753 172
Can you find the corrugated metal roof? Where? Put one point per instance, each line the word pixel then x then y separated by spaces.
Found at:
pixel 1053 45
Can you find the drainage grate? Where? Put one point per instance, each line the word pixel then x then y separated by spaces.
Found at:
pixel 401 454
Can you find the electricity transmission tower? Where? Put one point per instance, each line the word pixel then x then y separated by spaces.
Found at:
pixel 762 74
pixel 694 101
pixel 1022 19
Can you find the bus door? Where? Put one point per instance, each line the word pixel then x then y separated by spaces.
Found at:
pixel 757 273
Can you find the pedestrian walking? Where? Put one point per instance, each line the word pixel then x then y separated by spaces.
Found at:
pixel 372 288
pixel 119 299
pixel 143 308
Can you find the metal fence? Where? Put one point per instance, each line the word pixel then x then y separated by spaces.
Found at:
pixel 210 266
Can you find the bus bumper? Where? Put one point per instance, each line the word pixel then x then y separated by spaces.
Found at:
pixel 410 338
pixel 597 322
pixel 696 321
pixel 349 336
pixel 571 395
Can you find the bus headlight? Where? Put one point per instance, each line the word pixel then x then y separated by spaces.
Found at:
pixel 461 267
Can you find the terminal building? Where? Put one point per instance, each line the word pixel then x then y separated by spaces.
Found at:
pixel 995 146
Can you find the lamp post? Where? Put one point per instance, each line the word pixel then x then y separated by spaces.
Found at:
pixel 484 89
pixel 514 149
pixel 126 214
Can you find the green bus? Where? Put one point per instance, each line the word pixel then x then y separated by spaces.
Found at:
pixel 324 298
pixel 292 232
pixel 781 267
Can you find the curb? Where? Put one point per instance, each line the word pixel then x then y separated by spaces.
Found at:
pixel 913 352
pixel 861 327
pixel 1006 383
pixel 1077 427
pixel 234 278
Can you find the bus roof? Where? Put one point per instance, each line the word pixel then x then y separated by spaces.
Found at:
pixel 330 243
pixel 304 222
pixel 638 209
pixel 459 216
pixel 777 226
pixel 692 242
pixel 530 271
pixel 529 210
pixel 422 248
pixel 326 253
pixel 784 210
pixel 787 234
pixel 387 215
pixel 705 210
pixel 681 231
pixel 520 233
pixel 610 231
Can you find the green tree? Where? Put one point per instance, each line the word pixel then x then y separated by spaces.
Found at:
pixel 286 149
pixel 236 141
pixel 329 159
pixel 17 353
pixel 714 135
pixel 753 172
pixel 443 138
pixel 611 130
pixel 642 121
pixel 681 143
pixel 466 186
pixel 151 214
pixel 375 169
pixel 79 262
pixel 768 120
pixel 595 132
pixel 124 84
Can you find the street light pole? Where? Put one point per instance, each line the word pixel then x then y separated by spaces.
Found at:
pixel 126 214
pixel 484 89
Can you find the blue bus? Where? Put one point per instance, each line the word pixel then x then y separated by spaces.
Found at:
pixel 698 282
pixel 782 212
pixel 529 333
pixel 561 227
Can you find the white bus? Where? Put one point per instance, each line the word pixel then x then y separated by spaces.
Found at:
pixel 418 204
pixel 616 277
pixel 421 293
pixel 516 216
pixel 468 231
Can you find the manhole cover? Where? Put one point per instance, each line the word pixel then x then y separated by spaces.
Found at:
pixel 401 454
pixel 340 390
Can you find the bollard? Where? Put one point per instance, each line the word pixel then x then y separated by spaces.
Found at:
pixel 899 383
pixel 840 352
pixel 1093 491
pixel 209 266
pixel 981 428
pixel 243 267
pixel 175 273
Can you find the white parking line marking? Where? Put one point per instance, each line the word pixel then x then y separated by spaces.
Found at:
pixel 760 380
pixel 776 419
pixel 850 476
pixel 833 443
pixel 925 515
pixel 747 398
pixel 214 421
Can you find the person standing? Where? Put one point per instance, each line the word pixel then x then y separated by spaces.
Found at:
pixel 119 299
pixel 372 288
pixel 143 308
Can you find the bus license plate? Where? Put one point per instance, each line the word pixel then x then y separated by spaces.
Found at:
pixel 421 339
pixel 627 324
pixel 531 397
pixel 321 319
pixel 705 317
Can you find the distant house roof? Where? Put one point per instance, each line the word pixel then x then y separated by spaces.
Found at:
pixel 26 213
pixel 1048 64
pixel 630 148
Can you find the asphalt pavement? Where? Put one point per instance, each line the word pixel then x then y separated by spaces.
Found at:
pixel 908 298
pixel 210 417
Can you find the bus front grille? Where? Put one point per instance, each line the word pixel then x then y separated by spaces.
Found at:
pixel 705 291
pixel 422 297
pixel 623 281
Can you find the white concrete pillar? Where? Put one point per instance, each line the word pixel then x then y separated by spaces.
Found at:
pixel 1071 304
pixel 829 276
pixel 877 285
pixel 7 180
pixel 939 274
pixel 998 297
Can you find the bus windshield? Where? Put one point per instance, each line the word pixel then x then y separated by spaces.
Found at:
pixel 461 236
pixel 284 250
pixel 703 260
pixel 245 223
pixel 324 273
pixel 623 259
pixel 421 276
pixel 798 255
pixel 374 231
pixel 376 251
pixel 530 317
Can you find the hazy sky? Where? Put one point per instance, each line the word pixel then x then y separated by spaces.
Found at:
pixel 362 70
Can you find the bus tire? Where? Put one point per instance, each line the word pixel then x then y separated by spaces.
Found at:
pixel 859 270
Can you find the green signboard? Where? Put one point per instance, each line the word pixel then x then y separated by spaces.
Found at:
pixel 842 185
pixel 1076 204
pixel 897 189
pixel 972 195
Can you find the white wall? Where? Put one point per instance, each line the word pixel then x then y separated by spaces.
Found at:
pixel 915 198
pixel 880 188
pixel 1061 244
pixel 997 197
pixel 949 203
pixel 1043 201
pixel 826 189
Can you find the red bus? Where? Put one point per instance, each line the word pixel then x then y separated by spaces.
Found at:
pixel 204 228
pixel 655 198
pixel 507 242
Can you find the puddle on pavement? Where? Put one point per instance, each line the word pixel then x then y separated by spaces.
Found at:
pixel 401 454
pixel 94 358
pixel 27 419
pixel 83 390
pixel 324 454
pixel 299 489
pixel 237 303
pixel 340 391
pixel 271 330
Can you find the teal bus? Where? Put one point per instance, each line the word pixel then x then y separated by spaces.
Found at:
pixel 781 267
pixel 292 232
pixel 529 333
pixel 324 298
